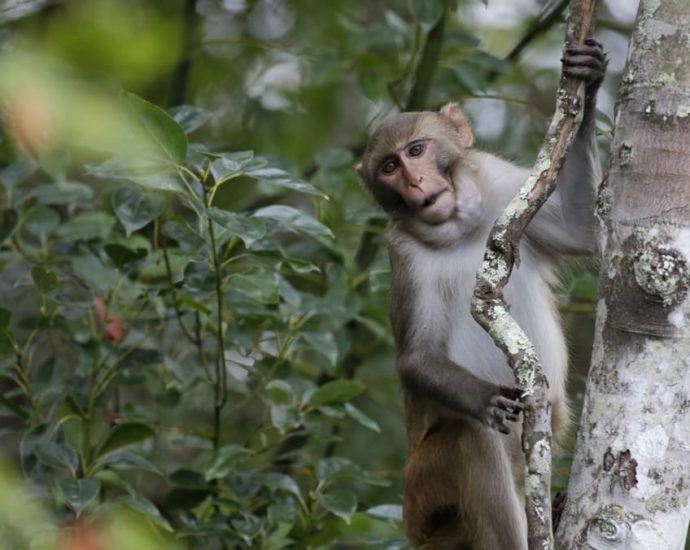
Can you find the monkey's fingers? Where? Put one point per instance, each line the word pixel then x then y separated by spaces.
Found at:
pixel 593 50
pixel 495 421
pixel 508 405
pixel 585 61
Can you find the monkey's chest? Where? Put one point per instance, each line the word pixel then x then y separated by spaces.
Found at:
pixel 443 305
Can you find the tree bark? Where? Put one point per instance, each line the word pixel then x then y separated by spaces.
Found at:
pixel 630 480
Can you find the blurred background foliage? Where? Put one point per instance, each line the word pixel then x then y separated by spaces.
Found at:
pixel 194 345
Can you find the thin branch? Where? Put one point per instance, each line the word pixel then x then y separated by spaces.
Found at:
pixel 490 309
pixel 180 78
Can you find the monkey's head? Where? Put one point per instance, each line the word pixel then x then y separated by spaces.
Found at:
pixel 409 163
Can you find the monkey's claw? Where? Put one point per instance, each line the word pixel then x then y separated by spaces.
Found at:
pixel 504 407
pixel 586 61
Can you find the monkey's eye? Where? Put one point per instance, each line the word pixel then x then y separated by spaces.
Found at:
pixel 416 150
pixel 389 166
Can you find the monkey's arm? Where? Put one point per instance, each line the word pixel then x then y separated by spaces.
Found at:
pixel 434 376
pixel 423 365
pixel 566 222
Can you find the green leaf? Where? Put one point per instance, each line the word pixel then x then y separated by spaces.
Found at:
pixel 281 178
pixel 146 507
pixel 122 255
pixel 279 392
pixel 122 460
pixel 78 493
pixel 229 165
pixel 190 303
pixel 336 391
pixel 323 343
pixel 41 221
pixel 362 418
pixel 426 12
pixel 9 218
pixel 16 172
pixel 329 469
pixel 125 434
pixel 283 418
pixel 280 482
pixel 136 208
pixel 86 226
pixel 217 528
pixel 166 134
pixel 189 479
pixel 189 118
pixel 44 279
pixel 222 461
pixel 57 455
pixel 262 286
pixel 62 192
pixel 199 277
pixel 249 229
pixel 146 173
pixel 341 503
pixel 186 235
pixel 89 269
pixel 391 512
pixel 288 218
pixel 225 169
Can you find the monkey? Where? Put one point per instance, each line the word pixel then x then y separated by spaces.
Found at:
pixel 464 474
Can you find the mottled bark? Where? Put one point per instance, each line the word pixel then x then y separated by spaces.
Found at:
pixel 490 309
pixel 630 481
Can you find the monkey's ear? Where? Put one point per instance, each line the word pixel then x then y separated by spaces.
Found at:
pixel 453 112
pixel 359 168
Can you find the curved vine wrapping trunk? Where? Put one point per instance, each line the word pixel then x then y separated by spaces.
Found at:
pixel 630 483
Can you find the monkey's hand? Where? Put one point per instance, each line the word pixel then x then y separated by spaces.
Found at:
pixel 504 406
pixel 588 62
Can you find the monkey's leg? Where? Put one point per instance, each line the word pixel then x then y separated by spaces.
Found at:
pixel 488 490
pixel 460 492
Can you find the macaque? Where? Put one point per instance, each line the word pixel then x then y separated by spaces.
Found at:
pixel 465 470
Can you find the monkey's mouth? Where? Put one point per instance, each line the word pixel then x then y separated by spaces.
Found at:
pixel 431 199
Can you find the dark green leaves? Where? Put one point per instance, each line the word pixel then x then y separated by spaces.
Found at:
pixel 125 434
pixel 57 455
pixel 166 136
pixel 8 221
pixel 426 12
pixel 223 461
pixel 281 178
pixel 78 493
pixel 287 218
pixel 136 207
pixel 122 255
pixel 44 279
pixel 335 392
pixel 249 229
pixel 341 503
pixel 189 117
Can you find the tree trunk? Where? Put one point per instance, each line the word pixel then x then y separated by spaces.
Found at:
pixel 630 480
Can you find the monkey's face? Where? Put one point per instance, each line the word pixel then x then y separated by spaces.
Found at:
pixel 410 161
pixel 414 173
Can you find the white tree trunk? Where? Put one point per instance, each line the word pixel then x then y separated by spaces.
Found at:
pixel 630 482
